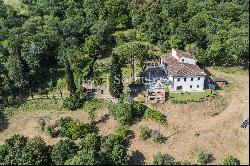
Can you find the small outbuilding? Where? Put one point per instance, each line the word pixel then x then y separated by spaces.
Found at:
pixel 220 81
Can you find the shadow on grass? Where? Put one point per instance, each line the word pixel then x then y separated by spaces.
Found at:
pixel 137 158
pixel 130 137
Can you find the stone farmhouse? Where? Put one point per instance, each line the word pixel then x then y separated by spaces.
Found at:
pixel 177 70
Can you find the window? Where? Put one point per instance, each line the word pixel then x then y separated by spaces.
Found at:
pixel 182 60
pixel 185 79
pixel 178 79
pixel 191 86
pixel 192 79
pixel 198 86
pixel 179 87
pixel 198 78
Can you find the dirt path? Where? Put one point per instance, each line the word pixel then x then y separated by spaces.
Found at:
pixel 219 135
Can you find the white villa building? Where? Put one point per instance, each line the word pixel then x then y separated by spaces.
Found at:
pixel 178 71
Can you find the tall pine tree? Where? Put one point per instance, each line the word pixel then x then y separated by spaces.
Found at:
pixel 70 78
pixel 115 78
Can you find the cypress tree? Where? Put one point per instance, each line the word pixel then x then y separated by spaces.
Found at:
pixel 115 78
pixel 70 78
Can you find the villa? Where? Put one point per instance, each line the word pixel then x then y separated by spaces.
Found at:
pixel 177 70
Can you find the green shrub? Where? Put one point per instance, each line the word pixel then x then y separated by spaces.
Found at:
pixel 230 160
pixel 131 35
pixel 196 100
pixel 203 158
pixel 160 159
pixel 20 150
pixel 41 123
pixel 106 147
pixel 36 152
pixel 175 101
pixel 138 109
pixel 113 151
pixel 90 141
pixel 145 133
pixel 122 131
pixel 62 151
pixel 72 129
pixel 74 101
pixel 93 104
pixel 185 162
pixel 119 155
pixel 196 134
pixel 49 129
pixel 185 101
pixel 155 116
pixel 84 157
pixel 122 112
pixel 157 137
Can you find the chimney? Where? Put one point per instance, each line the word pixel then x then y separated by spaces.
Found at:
pixel 174 52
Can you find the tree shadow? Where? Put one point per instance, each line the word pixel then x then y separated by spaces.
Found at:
pixel 3 125
pixel 135 89
pixel 3 120
pixel 103 119
pixel 238 162
pixel 210 158
pixel 16 103
pixel 94 129
pixel 137 158
pixel 130 137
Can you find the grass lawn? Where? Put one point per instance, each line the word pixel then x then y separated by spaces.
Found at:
pixel 35 105
pixel 127 71
pixel 189 96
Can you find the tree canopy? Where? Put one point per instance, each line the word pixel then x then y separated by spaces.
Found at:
pixel 40 37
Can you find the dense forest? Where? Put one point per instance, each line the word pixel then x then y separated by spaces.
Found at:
pixel 48 39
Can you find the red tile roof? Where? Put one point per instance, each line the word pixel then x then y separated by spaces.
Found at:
pixel 176 68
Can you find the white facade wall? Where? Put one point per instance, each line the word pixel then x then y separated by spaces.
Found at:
pixel 186 84
pixel 187 60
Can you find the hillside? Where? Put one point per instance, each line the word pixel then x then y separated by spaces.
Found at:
pixel 120 82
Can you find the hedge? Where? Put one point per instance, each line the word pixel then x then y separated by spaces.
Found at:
pixel 175 101
pixel 155 116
